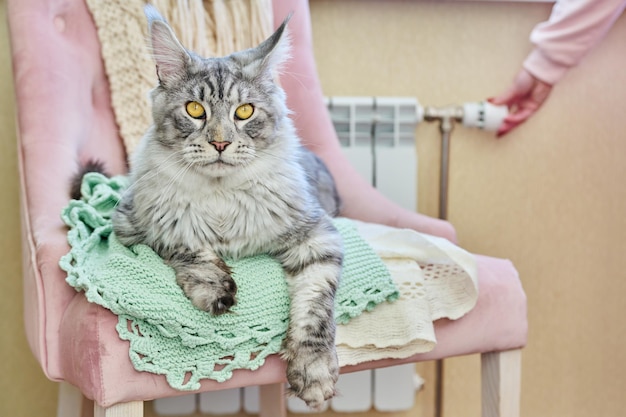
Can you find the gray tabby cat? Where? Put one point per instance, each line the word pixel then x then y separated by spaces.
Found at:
pixel 222 174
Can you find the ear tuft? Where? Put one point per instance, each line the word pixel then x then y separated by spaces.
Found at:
pixel 268 57
pixel 171 58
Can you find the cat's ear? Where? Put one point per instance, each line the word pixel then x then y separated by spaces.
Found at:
pixel 171 58
pixel 267 58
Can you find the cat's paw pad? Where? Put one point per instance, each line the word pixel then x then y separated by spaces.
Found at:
pixel 313 379
pixel 214 296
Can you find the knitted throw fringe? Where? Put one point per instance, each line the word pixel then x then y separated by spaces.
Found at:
pixel 209 28
pixel 167 334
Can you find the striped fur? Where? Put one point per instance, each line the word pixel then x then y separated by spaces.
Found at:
pixel 254 190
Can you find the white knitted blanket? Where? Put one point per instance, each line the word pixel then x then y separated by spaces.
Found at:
pixel 436 279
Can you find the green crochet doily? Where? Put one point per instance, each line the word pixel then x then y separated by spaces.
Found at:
pixel 167 334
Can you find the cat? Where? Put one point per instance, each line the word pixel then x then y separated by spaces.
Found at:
pixel 220 174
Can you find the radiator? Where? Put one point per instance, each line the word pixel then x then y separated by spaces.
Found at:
pixel 377 135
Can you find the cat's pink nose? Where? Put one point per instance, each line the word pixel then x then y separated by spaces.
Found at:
pixel 220 146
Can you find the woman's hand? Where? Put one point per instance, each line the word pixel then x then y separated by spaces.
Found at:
pixel 524 97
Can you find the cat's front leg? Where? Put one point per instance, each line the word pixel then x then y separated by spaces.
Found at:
pixel 204 278
pixel 313 269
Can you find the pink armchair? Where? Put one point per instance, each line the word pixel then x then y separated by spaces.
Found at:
pixel 65 116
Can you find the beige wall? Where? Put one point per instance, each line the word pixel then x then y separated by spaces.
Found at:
pixel 550 197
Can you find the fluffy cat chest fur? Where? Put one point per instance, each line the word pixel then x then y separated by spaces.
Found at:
pixel 235 218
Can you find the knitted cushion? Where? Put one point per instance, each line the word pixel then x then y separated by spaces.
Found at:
pixel 167 334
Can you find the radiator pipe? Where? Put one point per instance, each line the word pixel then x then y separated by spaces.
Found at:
pixel 484 116
pixel 446 116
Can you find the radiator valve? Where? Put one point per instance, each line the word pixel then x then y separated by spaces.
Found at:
pixel 482 115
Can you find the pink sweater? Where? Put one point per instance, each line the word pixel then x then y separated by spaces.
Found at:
pixel 574 27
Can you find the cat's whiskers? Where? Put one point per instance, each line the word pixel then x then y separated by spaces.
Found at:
pixel 172 181
pixel 295 75
pixel 165 194
pixel 277 156
pixel 167 163
pixel 252 155
pixel 245 170
pixel 304 142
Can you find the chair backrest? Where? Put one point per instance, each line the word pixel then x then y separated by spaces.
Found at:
pixel 64 117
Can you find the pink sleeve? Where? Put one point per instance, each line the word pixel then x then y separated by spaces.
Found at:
pixel 574 27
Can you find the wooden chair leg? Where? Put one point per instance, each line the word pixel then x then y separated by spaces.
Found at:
pixel 131 409
pixel 70 401
pixel 272 400
pixel 501 383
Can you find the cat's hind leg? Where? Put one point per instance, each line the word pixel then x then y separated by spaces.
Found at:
pixel 313 269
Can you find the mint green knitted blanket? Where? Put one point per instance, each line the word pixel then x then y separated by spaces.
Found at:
pixel 167 334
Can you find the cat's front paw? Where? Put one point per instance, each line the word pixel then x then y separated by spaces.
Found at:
pixel 214 293
pixel 312 376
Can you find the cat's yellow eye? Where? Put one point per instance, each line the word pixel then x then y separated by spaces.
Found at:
pixel 195 110
pixel 244 111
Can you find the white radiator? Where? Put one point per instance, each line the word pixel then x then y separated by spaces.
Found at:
pixel 377 135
